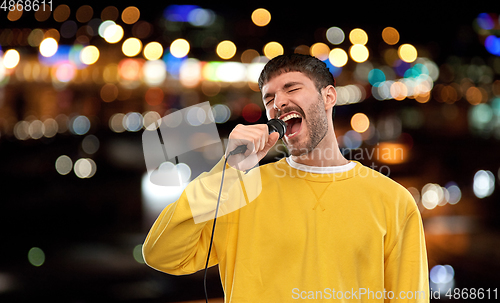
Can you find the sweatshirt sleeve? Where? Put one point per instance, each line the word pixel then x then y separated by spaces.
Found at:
pixel 178 241
pixel 406 269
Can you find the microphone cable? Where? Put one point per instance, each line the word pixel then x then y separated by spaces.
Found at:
pixel 213 228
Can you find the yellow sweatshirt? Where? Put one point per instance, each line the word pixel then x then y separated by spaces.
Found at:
pixel 352 236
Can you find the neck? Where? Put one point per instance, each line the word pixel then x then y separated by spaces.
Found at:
pixel 326 153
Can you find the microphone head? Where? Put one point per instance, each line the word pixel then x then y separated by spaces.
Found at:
pixel 277 125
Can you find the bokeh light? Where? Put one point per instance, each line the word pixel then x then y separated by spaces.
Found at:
pixel 153 51
pixel 84 13
pixel 273 49
pixel 320 50
pixel 338 57
pixel 360 122
pixel 11 58
pixel 61 13
pixel 85 168
pixel 261 17
pixel 89 54
pixel 36 256
pixel 226 49
pixel 130 15
pixel 131 47
pixel 335 35
pixel 407 53
pixel 113 33
pixel 390 35
pixel 48 47
pixel 90 144
pixel 64 165
pixel 179 48
pixel 251 112
pixel 359 53
pixel 358 36
pixel 484 183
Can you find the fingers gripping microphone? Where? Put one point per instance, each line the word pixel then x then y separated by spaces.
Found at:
pixel 274 125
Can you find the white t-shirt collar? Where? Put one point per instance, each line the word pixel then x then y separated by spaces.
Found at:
pixel 321 169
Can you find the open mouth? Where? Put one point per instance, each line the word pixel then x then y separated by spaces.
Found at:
pixel 293 124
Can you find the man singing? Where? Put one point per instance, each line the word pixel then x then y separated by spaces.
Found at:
pixel 321 227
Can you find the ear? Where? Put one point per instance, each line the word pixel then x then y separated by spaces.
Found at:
pixel 329 96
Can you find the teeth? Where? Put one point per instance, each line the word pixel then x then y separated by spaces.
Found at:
pixel 290 117
pixel 291 134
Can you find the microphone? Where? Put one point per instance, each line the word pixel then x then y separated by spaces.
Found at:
pixel 274 125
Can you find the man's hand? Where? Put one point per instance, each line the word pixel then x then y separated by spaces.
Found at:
pixel 257 140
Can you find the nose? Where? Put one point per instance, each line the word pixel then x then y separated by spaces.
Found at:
pixel 280 100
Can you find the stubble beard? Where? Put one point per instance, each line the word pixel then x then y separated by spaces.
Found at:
pixel 317 127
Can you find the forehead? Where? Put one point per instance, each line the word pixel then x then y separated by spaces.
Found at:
pixel 277 82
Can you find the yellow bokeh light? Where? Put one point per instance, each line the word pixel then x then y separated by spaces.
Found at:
pixel 48 47
pixel 390 35
pixel 407 53
pixel 320 51
pixel 61 13
pixel 89 54
pixel 398 91
pixel 131 47
pixel 153 51
pixel 11 58
pixel 261 17
pixel 273 49
pixel 360 122
pixel 358 36
pixel 179 48
pixel 338 57
pixel 113 33
pixel 130 15
pixel 226 49
pixel 359 53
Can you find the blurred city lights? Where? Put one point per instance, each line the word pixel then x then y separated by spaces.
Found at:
pixel 152 120
pixel 226 49
pixel 11 58
pixel 352 139
pixel 261 17
pixel 79 125
pixel 432 195
pixel 179 48
pixel 454 192
pixel 133 122
pixel 85 168
pixel 320 50
pixel 221 113
pixel 390 35
pixel 273 49
pixel 113 33
pixel 359 53
pixel 338 57
pixel 89 55
pixel 251 112
pixel 155 72
pixel 484 183
pixel 103 26
pixel 131 47
pixel 64 165
pixel 116 123
pixel 358 36
pixel 201 17
pixel 90 144
pixel 130 15
pixel 36 256
pixel 360 122
pixel 84 13
pixel 61 13
pixel 407 53
pixel 335 35
pixel 48 47
pixel 442 279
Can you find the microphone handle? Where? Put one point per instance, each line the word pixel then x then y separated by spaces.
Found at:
pixel 242 148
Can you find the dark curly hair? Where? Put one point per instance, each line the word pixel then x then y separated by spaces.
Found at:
pixel 311 66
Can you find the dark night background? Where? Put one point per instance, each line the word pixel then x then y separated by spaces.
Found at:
pixel 88 228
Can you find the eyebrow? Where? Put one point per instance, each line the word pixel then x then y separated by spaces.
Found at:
pixel 285 86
